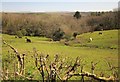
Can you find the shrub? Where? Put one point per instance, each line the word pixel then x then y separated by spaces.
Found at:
pixel 67 37
pixel 24 32
pixel 29 32
pixel 75 34
pixel 37 32
pixel 57 35
pixel 19 34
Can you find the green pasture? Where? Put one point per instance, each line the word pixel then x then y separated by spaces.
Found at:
pixel 108 39
pixel 106 50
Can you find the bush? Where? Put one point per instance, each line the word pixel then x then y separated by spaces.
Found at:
pixel 29 32
pixel 67 37
pixel 37 32
pixel 19 34
pixel 57 35
pixel 75 34
pixel 24 32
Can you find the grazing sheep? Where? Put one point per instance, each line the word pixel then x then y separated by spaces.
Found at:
pixel 100 32
pixel 90 39
pixel 28 40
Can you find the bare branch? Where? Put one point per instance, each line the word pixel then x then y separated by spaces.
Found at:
pixel 17 54
pixel 72 70
pixel 87 74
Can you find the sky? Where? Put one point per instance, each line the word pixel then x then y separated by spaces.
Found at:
pixel 59 0
pixel 57 6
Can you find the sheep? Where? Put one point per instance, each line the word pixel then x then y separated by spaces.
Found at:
pixel 100 32
pixel 90 39
pixel 28 40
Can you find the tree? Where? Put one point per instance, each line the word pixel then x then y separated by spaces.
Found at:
pixel 77 15
pixel 75 34
pixel 57 35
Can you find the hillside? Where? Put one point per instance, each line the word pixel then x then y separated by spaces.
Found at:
pixel 108 39
pixel 106 50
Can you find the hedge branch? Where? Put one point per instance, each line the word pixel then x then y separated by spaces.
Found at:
pixel 87 74
pixel 17 54
pixel 72 70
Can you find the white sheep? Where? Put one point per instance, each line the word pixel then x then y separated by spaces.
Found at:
pixel 90 39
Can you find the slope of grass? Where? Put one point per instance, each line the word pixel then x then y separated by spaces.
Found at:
pixel 44 46
pixel 108 39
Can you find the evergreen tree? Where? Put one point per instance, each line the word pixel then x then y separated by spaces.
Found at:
pixel 77 15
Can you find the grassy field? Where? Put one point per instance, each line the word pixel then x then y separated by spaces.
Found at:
pixel 103 47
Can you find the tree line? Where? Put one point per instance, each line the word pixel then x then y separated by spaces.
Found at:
pixel 57 26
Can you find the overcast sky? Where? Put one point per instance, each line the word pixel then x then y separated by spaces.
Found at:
pixel 55 5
